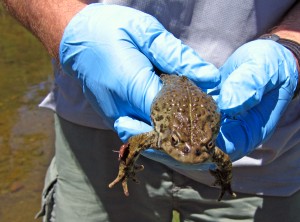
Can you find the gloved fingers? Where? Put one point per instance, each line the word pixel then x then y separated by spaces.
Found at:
pixel 254 126
pixel 143 32
pixel 127 127
pixel 254 70
pixel 118 87
pixel 116 77
pixel 170 55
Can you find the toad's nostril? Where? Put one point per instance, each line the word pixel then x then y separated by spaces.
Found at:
pixel 186 149
pixel 198 152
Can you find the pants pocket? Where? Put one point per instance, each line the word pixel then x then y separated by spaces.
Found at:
pixel 48 193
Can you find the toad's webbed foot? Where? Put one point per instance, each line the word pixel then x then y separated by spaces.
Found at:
pixel 127 168
pixel 223 179
pixel 128 155
pixel 125 173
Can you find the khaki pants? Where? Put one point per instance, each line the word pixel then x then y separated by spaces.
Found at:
pixel 76 188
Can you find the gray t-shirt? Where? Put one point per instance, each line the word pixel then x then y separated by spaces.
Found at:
pixel 214 28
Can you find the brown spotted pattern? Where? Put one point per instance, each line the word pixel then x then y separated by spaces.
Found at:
pixel 186 120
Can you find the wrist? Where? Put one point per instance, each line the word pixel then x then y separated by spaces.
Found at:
pixel 295 37
pixel 289 35
pixel 289 29
pixel 291 45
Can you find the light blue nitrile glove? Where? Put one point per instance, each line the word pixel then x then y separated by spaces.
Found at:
pixel 112 51
pixel 258 82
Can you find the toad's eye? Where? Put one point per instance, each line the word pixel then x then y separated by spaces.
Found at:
pixel 210 145
pixel 174 140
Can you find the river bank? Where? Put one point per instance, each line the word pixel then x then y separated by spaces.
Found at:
pixel 26 132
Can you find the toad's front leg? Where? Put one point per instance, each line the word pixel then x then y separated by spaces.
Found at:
pixel 128 155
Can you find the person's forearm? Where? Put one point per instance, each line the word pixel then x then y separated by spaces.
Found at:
pixel 46 19
pixel 289 28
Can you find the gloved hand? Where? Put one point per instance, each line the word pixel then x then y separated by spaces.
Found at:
pixel 258 82
pixel 112 51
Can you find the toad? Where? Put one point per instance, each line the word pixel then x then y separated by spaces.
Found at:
pixel 186 123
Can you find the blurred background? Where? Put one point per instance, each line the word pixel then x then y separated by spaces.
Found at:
pixel 26 131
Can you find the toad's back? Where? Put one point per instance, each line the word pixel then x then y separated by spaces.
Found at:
pixel 186 120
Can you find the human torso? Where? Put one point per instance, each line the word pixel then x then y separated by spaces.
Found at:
pixel 214 28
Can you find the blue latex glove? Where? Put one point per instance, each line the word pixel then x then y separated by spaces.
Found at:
pixel 111 50
pixel 258 82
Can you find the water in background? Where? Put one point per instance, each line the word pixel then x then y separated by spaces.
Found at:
pixel 26 132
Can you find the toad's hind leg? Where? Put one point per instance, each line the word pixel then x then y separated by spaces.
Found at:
pixel 128 155
pixel 223 173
